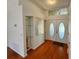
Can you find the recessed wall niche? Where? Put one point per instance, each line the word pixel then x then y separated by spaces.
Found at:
pixel 39 26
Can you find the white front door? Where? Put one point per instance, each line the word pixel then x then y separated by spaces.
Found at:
pixel 61 31
pixel 58 29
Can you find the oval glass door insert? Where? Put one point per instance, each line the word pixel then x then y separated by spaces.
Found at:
pixel 61 30
pixel 51 29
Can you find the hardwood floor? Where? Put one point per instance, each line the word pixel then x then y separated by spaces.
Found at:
pixel 48 50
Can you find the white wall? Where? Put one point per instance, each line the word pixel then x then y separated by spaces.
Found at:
pixel 69 44
pixel 38 39
pixel 30 9
pixel 15 26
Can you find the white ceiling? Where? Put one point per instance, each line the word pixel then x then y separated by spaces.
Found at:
pixel 59 4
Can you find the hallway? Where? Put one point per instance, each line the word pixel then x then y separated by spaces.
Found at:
pixel 47 50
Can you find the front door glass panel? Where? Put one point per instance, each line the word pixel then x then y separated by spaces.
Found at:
pixel 51 29
pixel 61 30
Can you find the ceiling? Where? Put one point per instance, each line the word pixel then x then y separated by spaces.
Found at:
pixel 45 5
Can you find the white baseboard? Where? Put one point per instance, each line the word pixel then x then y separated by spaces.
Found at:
pixel 38 45
pixel 17 52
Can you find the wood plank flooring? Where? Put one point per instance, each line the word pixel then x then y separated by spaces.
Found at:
pixel 48 50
